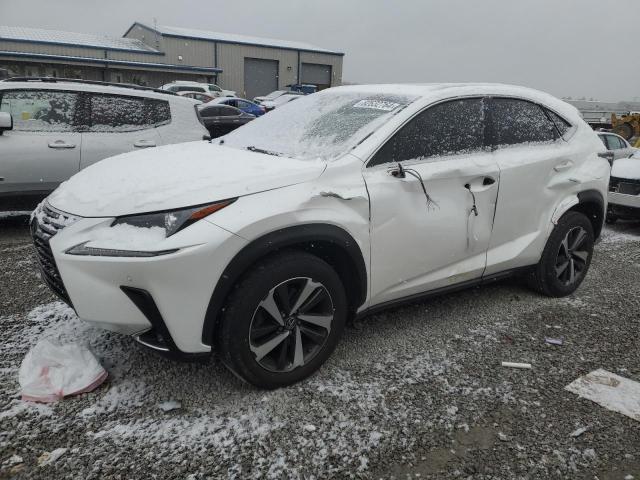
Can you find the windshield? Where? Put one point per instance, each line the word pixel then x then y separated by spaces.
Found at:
pixel 214 88
pixel 324 125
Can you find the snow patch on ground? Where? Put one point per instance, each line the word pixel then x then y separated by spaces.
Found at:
pixel 339 420
pixel 613 237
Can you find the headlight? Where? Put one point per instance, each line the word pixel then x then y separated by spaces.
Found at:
pixel 172 221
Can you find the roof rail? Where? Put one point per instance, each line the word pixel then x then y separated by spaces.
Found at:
pixel 90 82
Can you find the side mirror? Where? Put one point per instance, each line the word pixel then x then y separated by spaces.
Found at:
pixel 6 122
pixel 608 155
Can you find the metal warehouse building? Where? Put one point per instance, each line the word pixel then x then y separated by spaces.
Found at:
pixel 156 55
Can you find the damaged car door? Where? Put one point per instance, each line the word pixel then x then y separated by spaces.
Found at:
pixel 537 168
pixel 433 188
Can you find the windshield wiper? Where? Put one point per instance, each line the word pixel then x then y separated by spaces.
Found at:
pixel 260 150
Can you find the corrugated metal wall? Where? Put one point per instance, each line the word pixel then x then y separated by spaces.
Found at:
pixel 231 60
pixel 199 53
pixel 323 59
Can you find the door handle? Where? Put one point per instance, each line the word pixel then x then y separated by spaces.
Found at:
pixel 61 144
pixel 144 143
pixel 480 184
pixel 563 166
pixel 486 181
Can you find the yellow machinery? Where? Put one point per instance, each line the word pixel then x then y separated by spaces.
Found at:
pixel 627 126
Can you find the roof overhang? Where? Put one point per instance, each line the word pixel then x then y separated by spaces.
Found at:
pixel 107 62
pixel 93 47
pixel 228 42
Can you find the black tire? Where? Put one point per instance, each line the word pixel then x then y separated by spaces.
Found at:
pixel 279 278
pixel 549 278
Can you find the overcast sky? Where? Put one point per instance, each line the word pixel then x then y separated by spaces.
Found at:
pixel 567 47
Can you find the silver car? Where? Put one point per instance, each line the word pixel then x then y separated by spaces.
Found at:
pixel 617 145
pixel 50 129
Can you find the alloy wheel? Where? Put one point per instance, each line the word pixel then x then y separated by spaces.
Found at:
pixel 572 257
pixel 291 324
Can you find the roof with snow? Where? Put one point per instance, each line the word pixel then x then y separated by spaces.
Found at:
pixel 234 38
pixel 57 37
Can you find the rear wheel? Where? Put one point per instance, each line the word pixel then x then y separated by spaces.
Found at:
pixel 283 320
pixel 566 257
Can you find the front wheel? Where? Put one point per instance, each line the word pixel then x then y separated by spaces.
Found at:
pixel 566 257
pixel 282 320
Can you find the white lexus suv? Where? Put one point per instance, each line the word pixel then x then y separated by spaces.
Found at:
pixel 262 244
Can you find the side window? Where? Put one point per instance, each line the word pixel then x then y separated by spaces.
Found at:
pixel 561 124
pixel 40 110
pixel 615 143
pixel 450 128
pixel 519 121
pixel 603 139
pixel 115 113
pixel 212 111
pixel 243 105
pixel 227 111
pixel 159 111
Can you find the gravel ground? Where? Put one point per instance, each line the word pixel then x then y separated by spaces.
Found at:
pixel 416 392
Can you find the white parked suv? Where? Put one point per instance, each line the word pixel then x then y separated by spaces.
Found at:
pixel 50 129
pixel 624 189
pixel 262 244
pixel 187 86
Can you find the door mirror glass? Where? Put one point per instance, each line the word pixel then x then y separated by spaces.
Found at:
pixel 6 122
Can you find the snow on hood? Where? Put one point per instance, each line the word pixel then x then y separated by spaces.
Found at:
pixel 176 176
pixel 627 168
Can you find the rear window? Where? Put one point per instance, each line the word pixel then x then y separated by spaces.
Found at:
pixel 116 113
pixel 517 122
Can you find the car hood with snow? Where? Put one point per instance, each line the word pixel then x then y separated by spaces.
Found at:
pixel 628 168
pixel 176 176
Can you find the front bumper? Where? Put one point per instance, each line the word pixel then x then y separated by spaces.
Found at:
pixel 180 283
pixel 623 200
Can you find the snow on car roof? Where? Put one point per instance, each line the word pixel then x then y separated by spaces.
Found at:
pixel 433 91
pixel 92 87
pixel 235 38
pixel 73 38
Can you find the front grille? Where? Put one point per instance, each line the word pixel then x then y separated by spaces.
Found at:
pixel 45 223
pixel 624 185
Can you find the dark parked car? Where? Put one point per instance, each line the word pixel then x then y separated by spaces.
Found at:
pixel 242 104
pixel 222 119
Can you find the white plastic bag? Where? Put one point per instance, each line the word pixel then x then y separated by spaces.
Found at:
pixel 50 372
